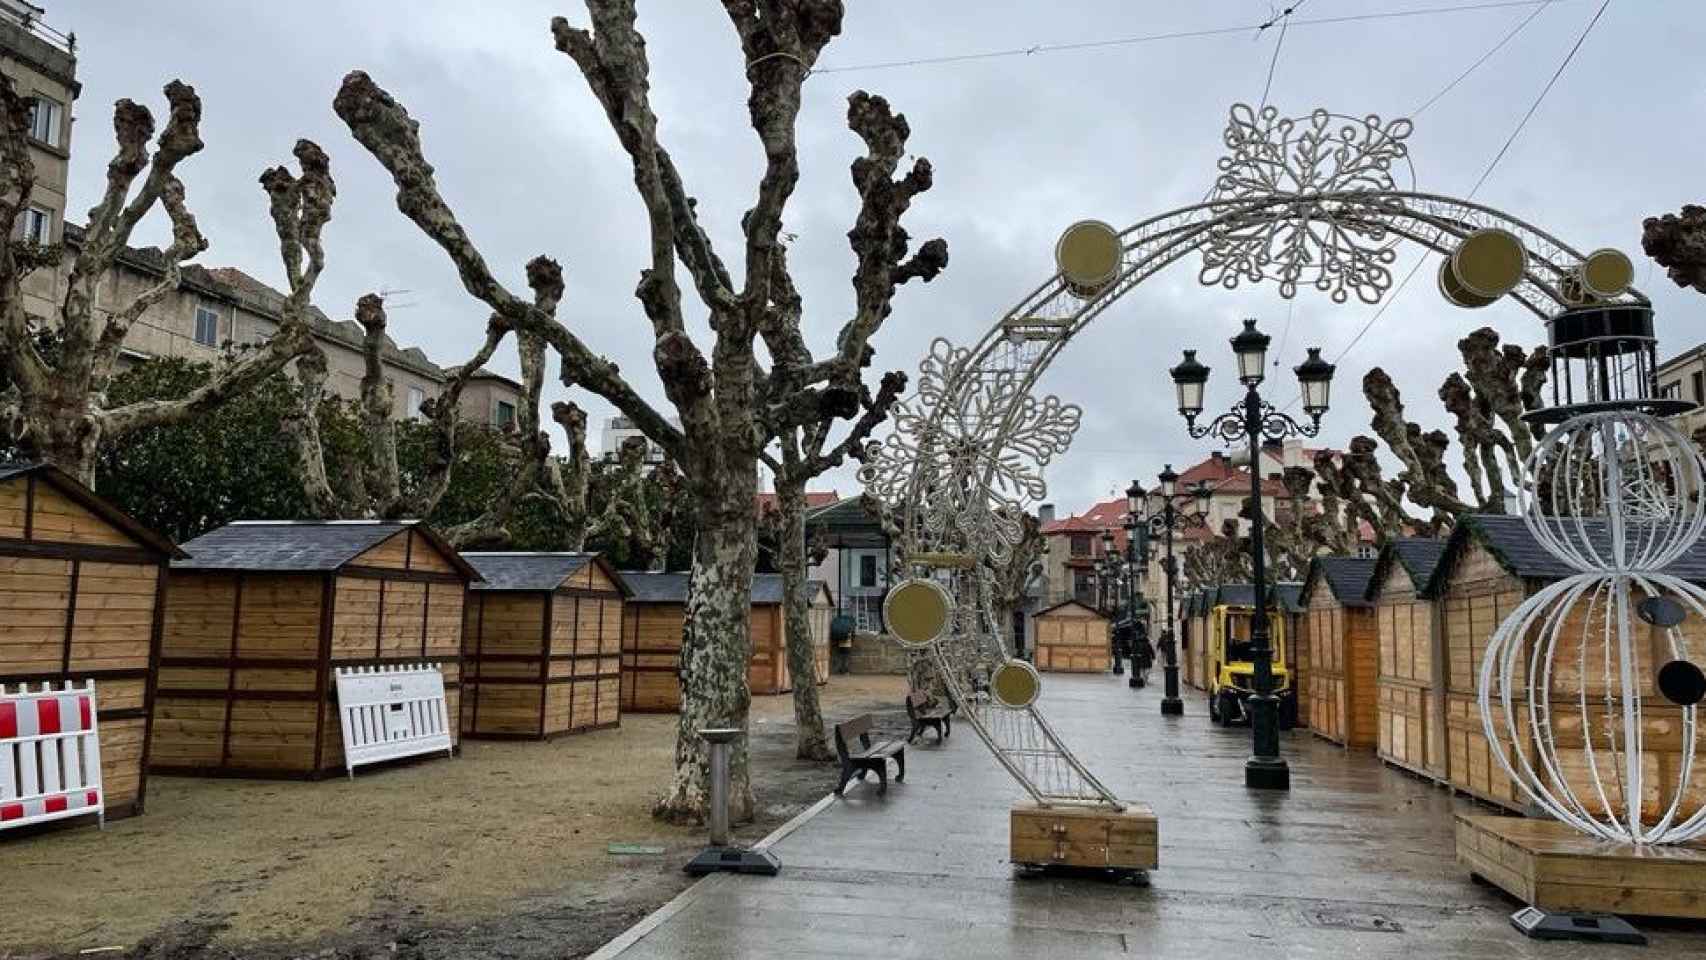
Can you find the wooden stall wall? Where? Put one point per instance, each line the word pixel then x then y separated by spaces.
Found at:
pixel 245 679
pixel 1477 594
pixel 81 601
pixel 1303 679
pixel 767 671
pixel 1072 638
pixel 1341 668
pixel 584 689
pixel 1410 707
pixel 1201 628
pixel 822 611
pixel 651 657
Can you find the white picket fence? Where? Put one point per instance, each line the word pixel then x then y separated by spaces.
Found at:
pixel 50 755
pixel 392 711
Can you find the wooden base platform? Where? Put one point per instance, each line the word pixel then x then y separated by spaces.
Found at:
pixel 1065 836
pixel 1549 865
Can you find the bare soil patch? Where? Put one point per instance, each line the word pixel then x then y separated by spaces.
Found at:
pixel 500 852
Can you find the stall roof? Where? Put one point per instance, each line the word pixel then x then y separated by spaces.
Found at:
pixel 846 523
pixel 90 500
pixel 1288 596
pixel 302 546
pixel 1234 595
pixel 1417 555
pixel 1347 577
pixel 1509 541
pixel 1076 603
pixel 645 587
pixel 519 570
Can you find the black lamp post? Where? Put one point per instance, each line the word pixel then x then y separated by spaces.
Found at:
pixel 1253 420
pixel 1136 557
pixel 1162 524
pixel 1107 567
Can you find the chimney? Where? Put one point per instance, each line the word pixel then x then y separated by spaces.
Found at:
pixel 1045 514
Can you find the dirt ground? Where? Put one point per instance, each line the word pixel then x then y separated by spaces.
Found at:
pixel 500 852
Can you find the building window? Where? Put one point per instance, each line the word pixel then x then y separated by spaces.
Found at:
pixel 1697 379
pixel 35 226
pixel 206 326
pixel 1671 390
pixel 867 571
pixel 44 120
pixel 1082 586
pixel 505 417
pixel 417 396
pixel 1081 544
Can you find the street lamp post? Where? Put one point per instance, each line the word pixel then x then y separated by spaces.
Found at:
pixel 1136 554
pixel 1253 420
pixel 1162 524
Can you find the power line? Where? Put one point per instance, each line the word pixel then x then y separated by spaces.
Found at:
pixel 1284 21
pixel 1179 35
pixel 1505 148
pixel 1495 48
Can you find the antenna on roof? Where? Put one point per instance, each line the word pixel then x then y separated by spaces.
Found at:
pixel 386 293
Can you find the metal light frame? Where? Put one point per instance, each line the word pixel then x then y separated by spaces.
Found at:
pixel 1301 202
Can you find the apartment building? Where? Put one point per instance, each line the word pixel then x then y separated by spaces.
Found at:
pixel 213 309
pixel 1683 377
pixel 619 429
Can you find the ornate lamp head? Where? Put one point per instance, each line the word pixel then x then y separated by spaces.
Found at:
pixel 1189 378
pixel 1135 500
pixel 1315 376
pixel 1251 348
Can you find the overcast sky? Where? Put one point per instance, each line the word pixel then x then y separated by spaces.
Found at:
pixel 1022 146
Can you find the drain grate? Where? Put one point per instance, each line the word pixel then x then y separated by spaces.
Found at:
pixel 1357 922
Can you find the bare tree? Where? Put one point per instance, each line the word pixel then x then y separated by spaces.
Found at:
pixel 725 401
pixel 1425 480
pixel 1678 243
pixel 55 408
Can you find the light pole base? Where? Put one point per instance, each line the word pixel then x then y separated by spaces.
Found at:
pixel 1267 773
pixel 734 860
pixel 1172 707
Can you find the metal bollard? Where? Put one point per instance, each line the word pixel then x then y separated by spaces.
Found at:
pixel 720 855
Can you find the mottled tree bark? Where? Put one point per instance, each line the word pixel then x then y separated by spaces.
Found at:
pixel 810 741
pixel 55 410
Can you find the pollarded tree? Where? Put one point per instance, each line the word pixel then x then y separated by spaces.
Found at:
pixel 726 402
pixel 56 408
pixel 1677 242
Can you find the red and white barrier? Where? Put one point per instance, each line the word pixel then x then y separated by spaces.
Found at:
pixel 50 755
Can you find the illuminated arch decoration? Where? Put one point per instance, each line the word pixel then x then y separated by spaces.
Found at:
pixel 1317 202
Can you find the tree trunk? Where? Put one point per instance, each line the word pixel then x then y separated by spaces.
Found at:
pixel 716 646
pixel 810 742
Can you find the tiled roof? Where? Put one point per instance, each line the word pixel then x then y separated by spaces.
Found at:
pixel 300 546
pixel 1508 539
pixel 1109 514
pixel 1417 555
pixel 1346 577
pixel 672 587
pixel 91 501
pixel 532 571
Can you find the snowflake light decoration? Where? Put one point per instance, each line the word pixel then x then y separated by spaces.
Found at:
pixel 982 438
pixel 1295 216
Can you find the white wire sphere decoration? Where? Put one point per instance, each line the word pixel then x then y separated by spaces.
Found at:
pixel 1572 659
pixel 1613 491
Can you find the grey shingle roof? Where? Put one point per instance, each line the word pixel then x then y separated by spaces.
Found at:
pixel 1417 555
pixel 1288 597
pixel 531 571
pixel 1235 595
pixel 299 546
pixel 93 502
pixel 672 587
pixel 1508 539
pixel 1346 577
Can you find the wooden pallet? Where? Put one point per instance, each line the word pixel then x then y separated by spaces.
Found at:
pixel 1551 866
pixel 1064 836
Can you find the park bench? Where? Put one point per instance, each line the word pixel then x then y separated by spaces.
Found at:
pixel 924 711
pixel 859 755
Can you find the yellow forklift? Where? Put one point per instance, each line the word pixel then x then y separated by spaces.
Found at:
pixel 1232 670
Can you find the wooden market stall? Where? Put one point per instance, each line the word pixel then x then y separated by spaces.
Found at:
pixel 653 619
pixel 1072 638
pixel 1286 600
pixel 263 611
pixel 81 586
pixel 1492 563
pixel 541 645
pixel 1185 607
pixel 1201 614
pixel 1410 706
pixel 1339 627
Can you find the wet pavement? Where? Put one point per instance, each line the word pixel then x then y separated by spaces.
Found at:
pixel 1356 860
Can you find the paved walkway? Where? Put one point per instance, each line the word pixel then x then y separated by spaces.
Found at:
pixel 1356 860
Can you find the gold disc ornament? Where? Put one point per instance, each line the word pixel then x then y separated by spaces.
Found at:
pixel 1453 291
pixel 1015 684
pixel 1089 255
pixel 1606 273
pixel 1490 262
pixel 917 612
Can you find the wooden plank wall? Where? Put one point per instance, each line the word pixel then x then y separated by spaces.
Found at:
pixel 651 657
pixel 767 670
pixel 1202 625
pixel 81 601
pixel 1343 653
pixel 1478 595
pixel 822 611
pixel 1303 678
pixel 1073 639
pixel 1410 707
